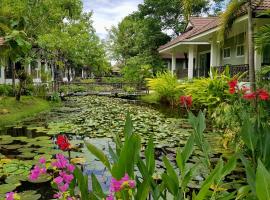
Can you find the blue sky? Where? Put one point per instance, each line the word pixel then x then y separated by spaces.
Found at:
pixel 109 12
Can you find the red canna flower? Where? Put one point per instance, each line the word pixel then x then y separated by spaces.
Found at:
pixel 263 94
pixel 186 101
pixel 232 86
pixel 62 142
pixel 250 96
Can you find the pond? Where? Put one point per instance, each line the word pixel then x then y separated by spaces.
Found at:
pixel 96 120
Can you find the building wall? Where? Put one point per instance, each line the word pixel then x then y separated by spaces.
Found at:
pixel 232 44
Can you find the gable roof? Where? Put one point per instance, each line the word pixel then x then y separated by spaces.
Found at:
pixel 198 25
pixel 202 24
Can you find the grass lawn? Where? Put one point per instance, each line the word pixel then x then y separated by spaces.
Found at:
pixel 12 111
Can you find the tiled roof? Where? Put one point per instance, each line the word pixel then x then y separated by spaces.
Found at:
pixel 263 5
pixel 198 23
pixel 203 24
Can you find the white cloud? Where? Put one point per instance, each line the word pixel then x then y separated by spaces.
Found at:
pixel 109 12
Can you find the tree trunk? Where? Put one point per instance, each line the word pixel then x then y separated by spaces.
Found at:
pixel 251 49
pixel 18 95
pixel 13 78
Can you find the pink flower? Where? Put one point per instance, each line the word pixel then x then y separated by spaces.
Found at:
pixel 61 162
pixel 123 183
pixel 57 195
pixel 58 180
pixel 10 196
pixel 66 177
pixel 132 184
pixel 110 197
pixel 115 185
pixel 35 173
pixel 42 160
pixel 64 187
pixel 70 167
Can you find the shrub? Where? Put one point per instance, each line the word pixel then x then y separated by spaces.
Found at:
pixel 166 86
pixel 89 80
pixel 6 90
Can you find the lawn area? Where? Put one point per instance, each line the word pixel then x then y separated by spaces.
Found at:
pixel 12 111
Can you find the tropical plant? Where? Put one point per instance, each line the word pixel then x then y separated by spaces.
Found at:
pixel 229 17
pixel 166 86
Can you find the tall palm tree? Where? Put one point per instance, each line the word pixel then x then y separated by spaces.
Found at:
pixel 229 17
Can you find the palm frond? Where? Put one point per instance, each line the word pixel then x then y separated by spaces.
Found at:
pixel 228 18
pixel 262 37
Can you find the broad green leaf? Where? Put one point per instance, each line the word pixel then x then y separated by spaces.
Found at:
pixel 128 157
pixel 99 154
pixel 248 135
pixel 262 182
pixel 209 181
pixel 150 156
pixel 82 183
pixel 229 166
pixel 251 176
pixel 143 190
pixel 171 175
pixel 113 154
pixel 128 127
pixel 96 187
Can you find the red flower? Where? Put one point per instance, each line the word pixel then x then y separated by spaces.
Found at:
pixel 186 101
pixel 232 86
pixel 263 94
pixel 250 96
pixel 62 142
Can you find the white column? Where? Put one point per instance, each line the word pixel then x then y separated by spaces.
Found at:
pixel 52 68
pixel 257 60
pixel 214 53
pixel 2 74
pixel 29 69
pixel 173 63
pixel 39 69
pixel 82 73
pixel 190 61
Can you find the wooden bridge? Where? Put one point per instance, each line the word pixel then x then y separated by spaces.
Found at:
pixel 98 88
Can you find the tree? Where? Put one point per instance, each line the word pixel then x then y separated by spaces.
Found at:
pixel 173 15
pixel 228 19
pixel 137 38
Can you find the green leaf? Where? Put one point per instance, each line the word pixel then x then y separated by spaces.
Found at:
pixel 82 183
pixel 128 157
pixel 143 190
pixel 128 127
pixel 99 154
pixel 262 182
pixel 251 176
pixel 150 156
pixel 248 135
pixel 182 157
pixel 96 187
pixel 229 166
pixel 113 154
pixel 171 176
pixel 209 181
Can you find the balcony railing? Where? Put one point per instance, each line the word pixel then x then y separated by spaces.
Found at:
pixel 235 69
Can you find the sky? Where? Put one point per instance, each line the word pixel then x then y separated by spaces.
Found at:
pixel 109 12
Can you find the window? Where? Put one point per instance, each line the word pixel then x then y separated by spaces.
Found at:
pixel 240 50
pixel 227 53
pixel 266 55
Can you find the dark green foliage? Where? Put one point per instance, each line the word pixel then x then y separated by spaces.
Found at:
pixel 6 90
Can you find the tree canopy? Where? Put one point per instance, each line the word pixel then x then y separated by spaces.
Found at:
pixel 59 30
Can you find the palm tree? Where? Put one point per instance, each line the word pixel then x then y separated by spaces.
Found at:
pixel 228 19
